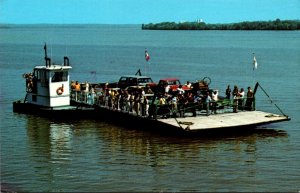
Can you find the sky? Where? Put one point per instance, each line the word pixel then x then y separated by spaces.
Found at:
pixel 144 11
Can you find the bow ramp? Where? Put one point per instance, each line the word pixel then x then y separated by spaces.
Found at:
pixel 228 120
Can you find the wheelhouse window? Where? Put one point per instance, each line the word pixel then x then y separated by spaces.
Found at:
pixel 43 76
pixel 60 76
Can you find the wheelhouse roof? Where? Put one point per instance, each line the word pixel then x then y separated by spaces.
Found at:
pixel 52 67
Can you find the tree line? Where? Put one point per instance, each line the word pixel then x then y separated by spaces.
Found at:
pixel 246 25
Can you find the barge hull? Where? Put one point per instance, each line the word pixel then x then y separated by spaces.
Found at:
pixel 222 122
pixel 66 112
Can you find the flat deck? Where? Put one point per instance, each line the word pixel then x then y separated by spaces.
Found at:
pixel 227 120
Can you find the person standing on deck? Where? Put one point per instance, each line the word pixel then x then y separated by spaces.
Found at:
pixel 92 96
pixel 228 92
pixel 77 90
pixel 137 103
pixel 215 99
pixel 208 101
pixel 241 98
pixel 167 88
pixel 249 100
pixel 235 94
pixel 146 101
pixel 142 102
pixel 127 102
pixel 132 95
pixel 174 105
pixel 180 90
pixel 73 92
pixel 106 98
pixel 85 89
pixel 181 100
pixel 73 85
pixel 188 84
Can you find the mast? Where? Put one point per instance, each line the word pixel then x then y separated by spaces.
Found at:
pixel 47 60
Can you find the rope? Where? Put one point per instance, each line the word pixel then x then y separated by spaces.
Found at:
pixel 178 122
pixel 272 101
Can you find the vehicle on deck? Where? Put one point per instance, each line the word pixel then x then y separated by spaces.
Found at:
pixel 173 83
pixel 129 80
pixel 134 80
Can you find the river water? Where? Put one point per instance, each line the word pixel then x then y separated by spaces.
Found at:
pixel 38 154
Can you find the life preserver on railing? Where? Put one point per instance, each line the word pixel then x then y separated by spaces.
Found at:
pixel 60 90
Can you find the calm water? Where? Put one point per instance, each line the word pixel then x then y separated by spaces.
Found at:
pixel 38 154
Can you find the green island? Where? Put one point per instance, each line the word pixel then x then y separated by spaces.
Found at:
pixel 246 25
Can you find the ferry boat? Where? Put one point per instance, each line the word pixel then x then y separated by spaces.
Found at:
pixel 50 93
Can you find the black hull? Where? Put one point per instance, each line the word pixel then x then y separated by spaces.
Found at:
pixel 70 113
pixel 124 119
pixel 118 118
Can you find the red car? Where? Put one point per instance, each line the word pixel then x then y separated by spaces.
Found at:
pixel 174 83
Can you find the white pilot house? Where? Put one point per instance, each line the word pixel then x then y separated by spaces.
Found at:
pixel 49 85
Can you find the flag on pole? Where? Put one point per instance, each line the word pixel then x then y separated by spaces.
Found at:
pixel 147 56
pixel 45 48
pixel 254 63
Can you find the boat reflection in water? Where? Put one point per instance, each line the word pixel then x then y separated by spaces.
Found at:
pixel 59 140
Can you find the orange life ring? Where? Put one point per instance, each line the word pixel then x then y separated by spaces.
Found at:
pixel 59 90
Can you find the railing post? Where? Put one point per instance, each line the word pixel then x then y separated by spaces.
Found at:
pixel 253 104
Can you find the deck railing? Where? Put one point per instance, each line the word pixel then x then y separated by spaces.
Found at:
pixel 144 107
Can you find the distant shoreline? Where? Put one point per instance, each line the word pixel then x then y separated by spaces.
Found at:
pixel 246 25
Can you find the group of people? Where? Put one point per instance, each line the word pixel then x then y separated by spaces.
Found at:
pixel 134 100
pixel 139 100
pixel 181 101
pixel 83 92
pixel 240 101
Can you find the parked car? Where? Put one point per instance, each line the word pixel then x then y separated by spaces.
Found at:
pixel 133 80
pixel 173 83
